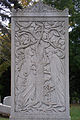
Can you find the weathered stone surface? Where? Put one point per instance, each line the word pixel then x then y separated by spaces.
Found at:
pixel 5 109
pixel 7 101
pixel 40 71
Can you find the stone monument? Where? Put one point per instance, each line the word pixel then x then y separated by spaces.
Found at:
pixel 40 64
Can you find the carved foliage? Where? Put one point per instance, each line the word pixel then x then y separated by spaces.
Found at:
pixel 39 7
pixel 39 69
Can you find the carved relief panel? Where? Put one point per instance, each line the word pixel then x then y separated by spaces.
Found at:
pixel 39 66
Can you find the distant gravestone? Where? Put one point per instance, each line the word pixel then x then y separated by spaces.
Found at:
pixel 5 109
pixel 7 101
pixel 40 64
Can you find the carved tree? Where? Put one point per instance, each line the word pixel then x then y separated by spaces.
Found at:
pixel 39 66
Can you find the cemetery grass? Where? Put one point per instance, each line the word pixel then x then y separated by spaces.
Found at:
pixel 74 109
pixel 1 118
pixel 75 112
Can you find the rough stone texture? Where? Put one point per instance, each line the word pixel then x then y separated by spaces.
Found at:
pixel 5 109
pixel 7 101
pixel 40 65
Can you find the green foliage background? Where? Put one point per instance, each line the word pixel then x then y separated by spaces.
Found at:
pixel 74 39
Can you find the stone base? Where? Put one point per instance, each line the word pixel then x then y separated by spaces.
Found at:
pixel 40 118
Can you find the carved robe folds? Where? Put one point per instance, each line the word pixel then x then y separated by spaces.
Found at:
pixel 40 82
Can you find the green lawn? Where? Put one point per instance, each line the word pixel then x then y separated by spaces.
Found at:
pixel 75 113
pixel 4 118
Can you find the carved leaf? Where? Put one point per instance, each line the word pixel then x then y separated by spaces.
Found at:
pixel 53 32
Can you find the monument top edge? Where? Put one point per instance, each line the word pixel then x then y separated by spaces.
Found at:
pixel 39 8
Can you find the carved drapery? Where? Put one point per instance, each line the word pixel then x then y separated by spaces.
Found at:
pixel 39 69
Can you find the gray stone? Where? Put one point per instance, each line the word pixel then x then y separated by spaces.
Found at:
pixel 7 101
pixel 5 109
pixel 40 64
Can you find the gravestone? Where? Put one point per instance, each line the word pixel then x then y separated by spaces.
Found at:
pixel 7 100
pixel 5 109
pixel 40 64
